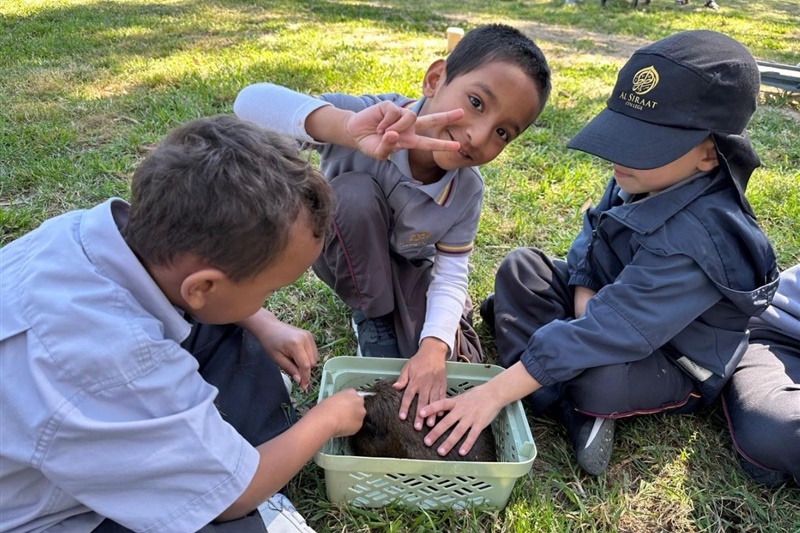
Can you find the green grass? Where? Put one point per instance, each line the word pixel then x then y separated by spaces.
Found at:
pixel 88 85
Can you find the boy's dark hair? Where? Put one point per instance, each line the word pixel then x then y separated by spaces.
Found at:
pixel 498 42
pixel 224 190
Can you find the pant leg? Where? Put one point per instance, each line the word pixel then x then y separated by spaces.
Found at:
pixel 647 386
pixel 251 523
pixel 762 404
pixel 355 260
pixel 252 395
pixel 358 265
pixel 531 290
pixel 410 283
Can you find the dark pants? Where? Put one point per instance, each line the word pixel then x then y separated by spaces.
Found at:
pixel 252 398
pixel 532 290
pixel 358 265
pixel 762 404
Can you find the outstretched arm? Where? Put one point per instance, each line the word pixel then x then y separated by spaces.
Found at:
pixel 282 457
pixel 377 130
pixel 424 374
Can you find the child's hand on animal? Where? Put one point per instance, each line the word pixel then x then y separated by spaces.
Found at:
pixel 470 411
pixel 473 410
pixel 346 409
pixel 382 129
pixel 423 375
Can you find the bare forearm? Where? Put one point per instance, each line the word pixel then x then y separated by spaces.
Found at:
pixel 513 384
pixel 327 125
pixel 281 459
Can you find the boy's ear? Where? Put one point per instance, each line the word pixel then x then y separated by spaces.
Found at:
pixel 434 78
pixel 199 287
pixel 709 159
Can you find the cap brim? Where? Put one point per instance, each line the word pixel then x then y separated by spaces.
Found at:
pixel 634 143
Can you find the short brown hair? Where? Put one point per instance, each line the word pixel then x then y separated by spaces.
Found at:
pixel 224 190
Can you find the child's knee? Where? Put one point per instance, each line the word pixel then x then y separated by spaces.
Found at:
pixel 358 197
pixel 769 441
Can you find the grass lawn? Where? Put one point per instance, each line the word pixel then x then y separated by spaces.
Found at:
pixel 88 85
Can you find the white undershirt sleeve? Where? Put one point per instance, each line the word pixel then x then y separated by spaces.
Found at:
pixel 446 297
pixel 277 109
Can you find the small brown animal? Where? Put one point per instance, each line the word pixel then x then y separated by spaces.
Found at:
pixel 383 434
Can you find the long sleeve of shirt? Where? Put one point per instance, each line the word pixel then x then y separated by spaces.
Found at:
pixel 277 108
pixel 644 308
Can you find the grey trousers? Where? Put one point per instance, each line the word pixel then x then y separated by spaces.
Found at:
pixel 357 263
pixel 532 290
pixel 762 405
pixel 252 398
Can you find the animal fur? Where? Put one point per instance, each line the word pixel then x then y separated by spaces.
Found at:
pixel 383 434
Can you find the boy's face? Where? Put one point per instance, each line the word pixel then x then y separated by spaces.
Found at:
pixel 499 101
pixel 227 302
pixel 701 158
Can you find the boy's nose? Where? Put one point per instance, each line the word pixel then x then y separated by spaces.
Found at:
pixel 478 134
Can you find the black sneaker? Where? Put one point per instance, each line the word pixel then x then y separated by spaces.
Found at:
pixel 593 440
pixel 768 478
pixel 376 336
pixel 487 312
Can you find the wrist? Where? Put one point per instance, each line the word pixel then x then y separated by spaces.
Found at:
pixel 329 124
pixel 435 347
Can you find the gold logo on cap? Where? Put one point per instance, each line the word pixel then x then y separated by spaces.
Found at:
pixel 645 80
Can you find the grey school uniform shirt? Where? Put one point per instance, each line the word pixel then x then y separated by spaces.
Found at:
pixel 682 271
pixel 441 216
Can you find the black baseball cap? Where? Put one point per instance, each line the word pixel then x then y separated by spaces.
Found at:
pixel 671 95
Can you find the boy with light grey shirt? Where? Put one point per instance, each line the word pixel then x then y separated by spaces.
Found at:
pixel 409 194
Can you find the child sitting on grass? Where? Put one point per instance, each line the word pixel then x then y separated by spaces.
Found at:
pixel 130 397
pixel 649 312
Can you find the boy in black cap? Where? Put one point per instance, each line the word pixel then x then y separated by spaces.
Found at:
pixel 649 311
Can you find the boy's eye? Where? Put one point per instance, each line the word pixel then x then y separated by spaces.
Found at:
pixel 503 134
pixel 476 102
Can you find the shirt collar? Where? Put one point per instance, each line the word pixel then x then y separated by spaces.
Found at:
pixel 107 250
pixel 659 207
pixel 437 190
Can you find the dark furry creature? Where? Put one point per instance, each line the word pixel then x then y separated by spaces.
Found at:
pixel 385 435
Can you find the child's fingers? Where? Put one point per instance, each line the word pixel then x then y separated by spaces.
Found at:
pixel 387 146
pixel 435 145
pixel 396 119
pixel 440 119
pixel 405 403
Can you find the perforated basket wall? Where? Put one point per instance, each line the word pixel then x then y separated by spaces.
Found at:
pixel 375 482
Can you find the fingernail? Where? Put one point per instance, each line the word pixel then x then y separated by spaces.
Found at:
pixel 403 416
pixel 427 442
pixel 440 451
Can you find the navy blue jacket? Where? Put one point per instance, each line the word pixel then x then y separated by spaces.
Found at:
pixel 682 271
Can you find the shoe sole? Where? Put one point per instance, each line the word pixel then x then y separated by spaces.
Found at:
pixel 592 460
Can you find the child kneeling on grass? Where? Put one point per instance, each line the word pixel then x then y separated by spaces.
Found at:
pixel 649 312
pixel 409 194
pixel 140 377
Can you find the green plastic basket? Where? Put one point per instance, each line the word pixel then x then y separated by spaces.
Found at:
pixel 378 481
